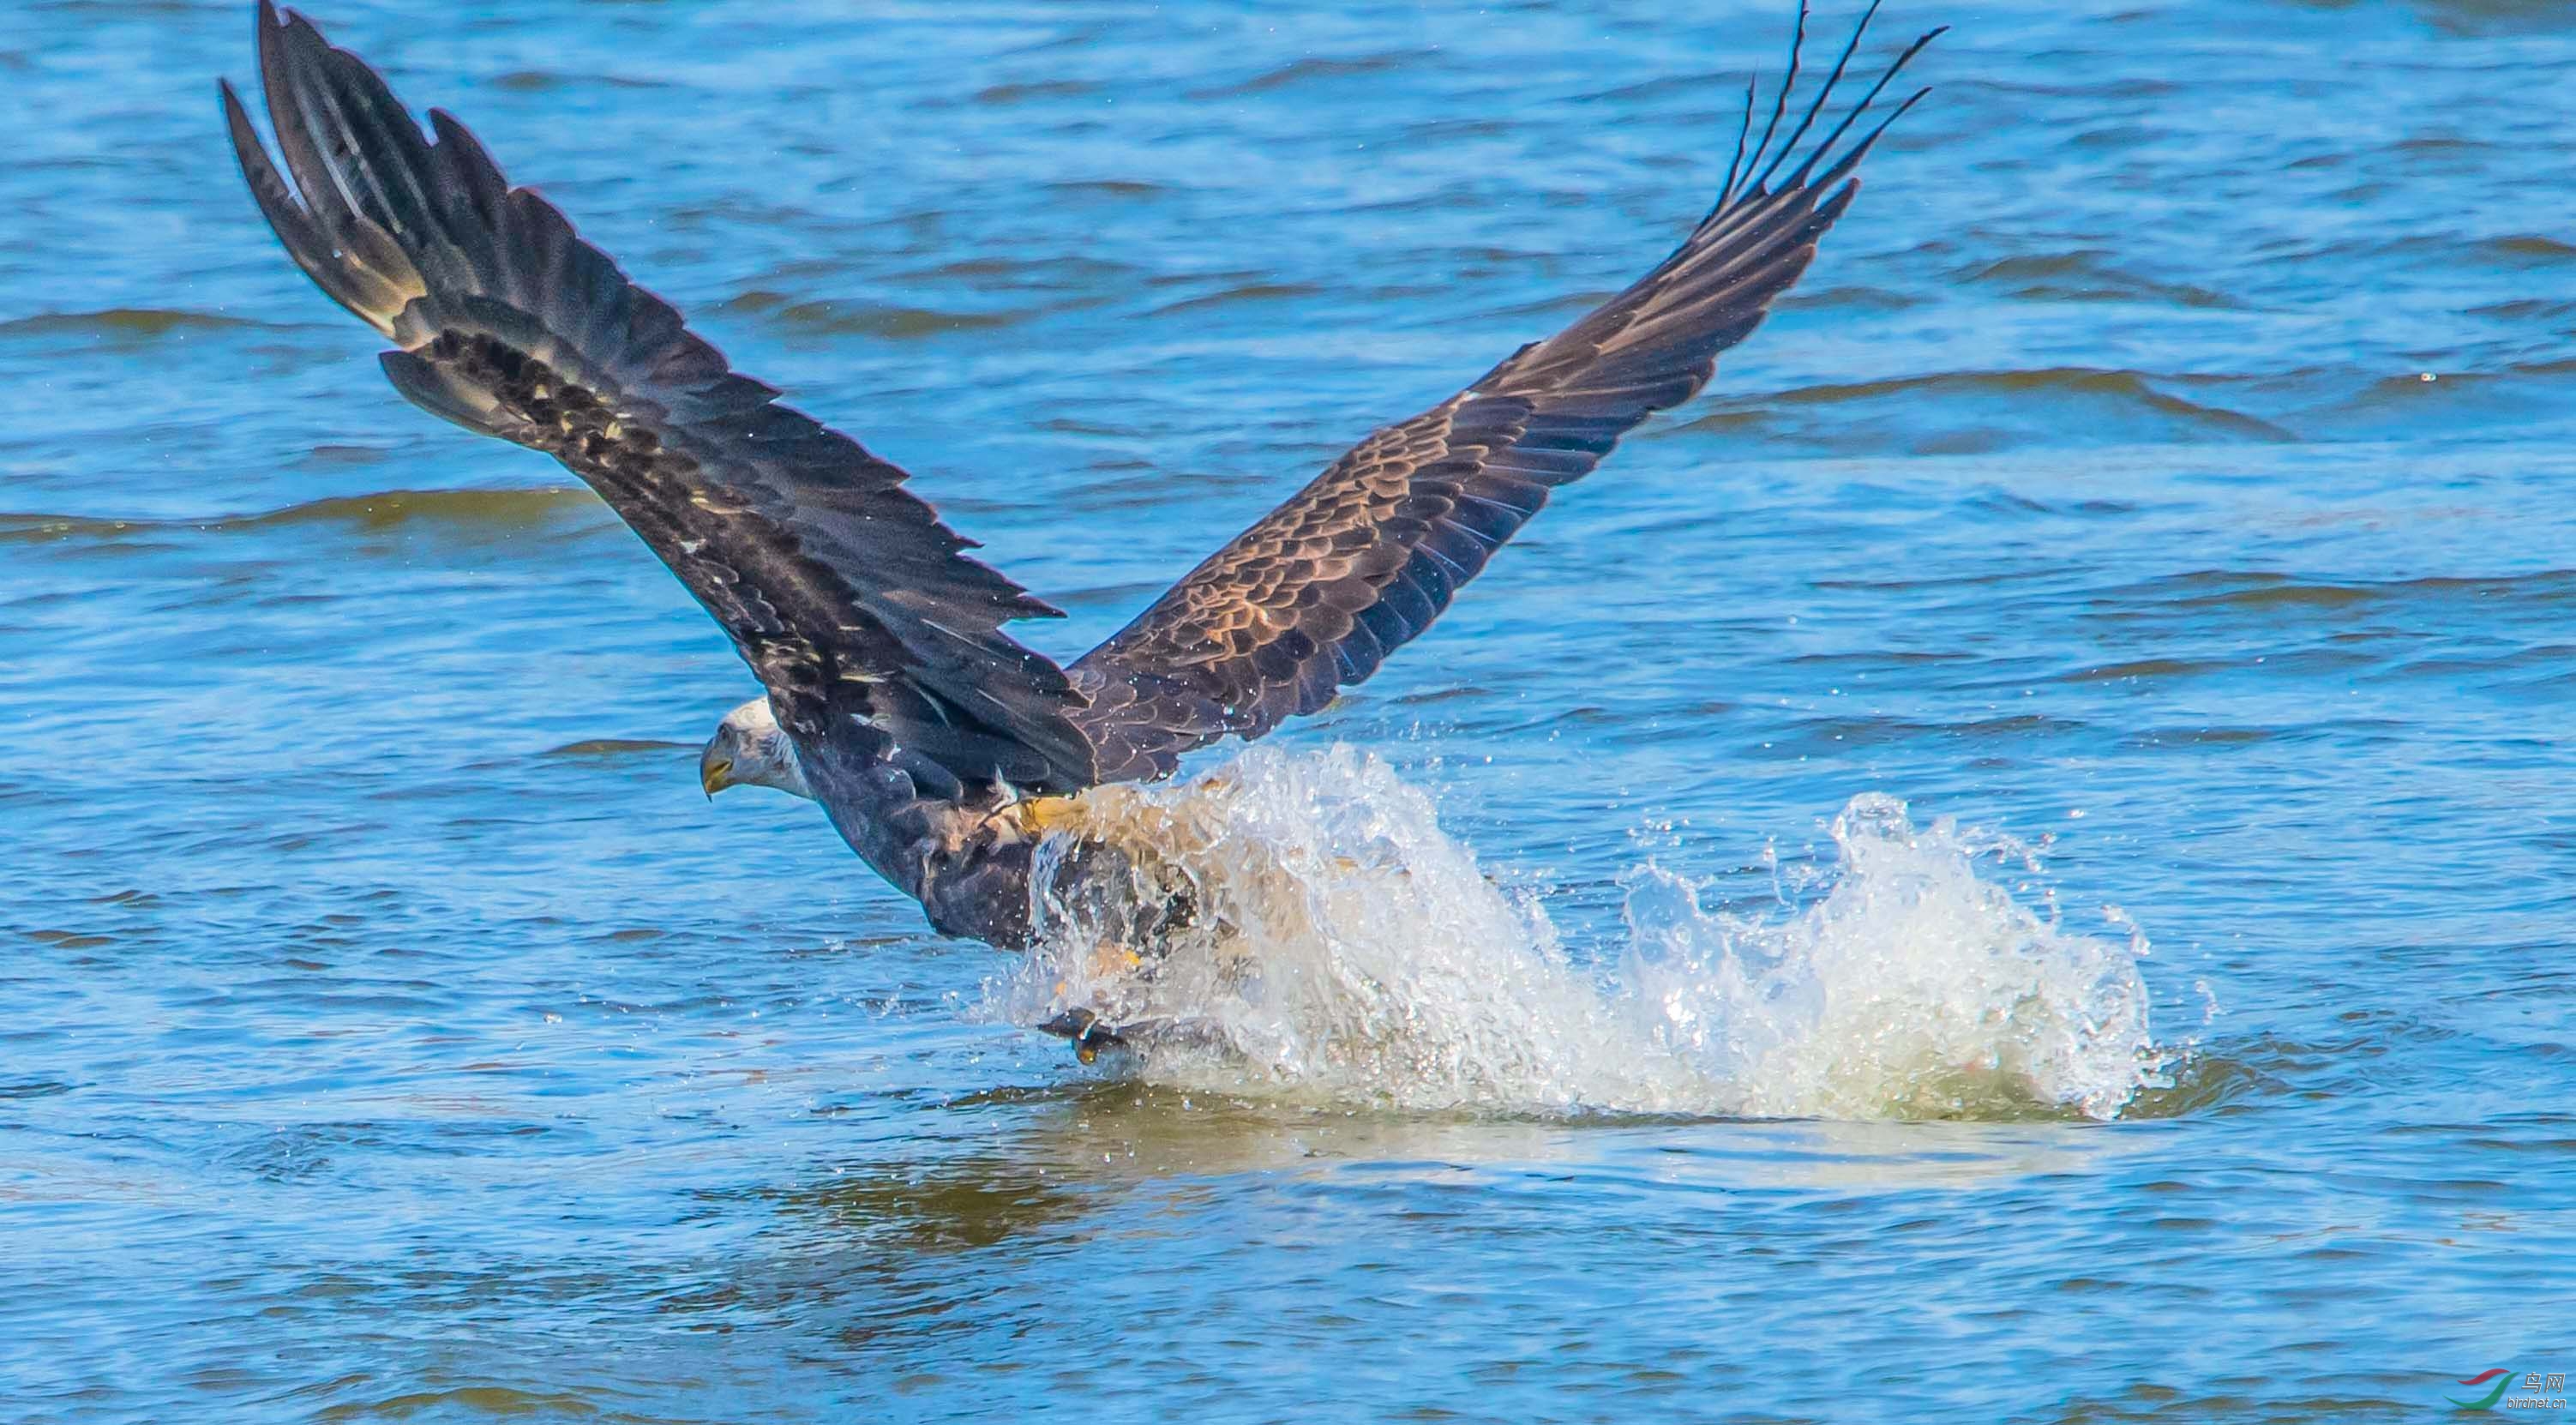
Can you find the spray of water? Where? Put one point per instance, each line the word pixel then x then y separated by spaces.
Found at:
pixel 1298 924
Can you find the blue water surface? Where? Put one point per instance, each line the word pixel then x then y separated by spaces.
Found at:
pixel 2167 464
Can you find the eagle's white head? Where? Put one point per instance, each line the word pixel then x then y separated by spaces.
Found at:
pixel 750 749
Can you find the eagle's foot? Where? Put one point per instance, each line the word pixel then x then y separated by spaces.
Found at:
pixel 1037 816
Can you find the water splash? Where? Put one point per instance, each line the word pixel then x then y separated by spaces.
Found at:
pixel 1321 937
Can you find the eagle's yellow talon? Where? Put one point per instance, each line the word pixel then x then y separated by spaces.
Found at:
pixel 1039 815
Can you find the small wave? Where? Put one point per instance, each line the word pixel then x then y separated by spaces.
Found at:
pixel 2523 309
pixel 2529 250
pixel 1339 946
pixel 2156 737
pixel 1433 131
pixel 390 508
pixel 2070 380
pixel 830 318
pixel 2151 668
pixel 1976 411
pixel 2271 590
pixel 540 81
pixel 1850 298
pixel 2467 404
pixel 2212 1081
pixel 1306 71
pixel 2285 594
pixel 1821 735
pixel 129 323
pixel 386 509
pixel 334 457
pixel 603 747
pixel 1059 273
pixel 1005 95
pixel 45 529
pixel 489 1399
pixel 1121 188
pixel 1687 86
pixel 2087 275
pixel 2119 89
pixel 2508 252
pixel 1232 296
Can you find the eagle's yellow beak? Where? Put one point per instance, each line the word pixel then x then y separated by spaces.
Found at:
pixel 715 773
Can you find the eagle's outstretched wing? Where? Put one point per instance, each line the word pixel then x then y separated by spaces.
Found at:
pixel 1314 596
pixel 858 609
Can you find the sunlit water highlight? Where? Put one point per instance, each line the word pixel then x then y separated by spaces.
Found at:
pixel 1342 948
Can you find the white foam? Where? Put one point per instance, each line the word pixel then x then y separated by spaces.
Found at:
pixel 1342 947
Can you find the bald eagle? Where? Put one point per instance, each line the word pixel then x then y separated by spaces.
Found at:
pixel 893 696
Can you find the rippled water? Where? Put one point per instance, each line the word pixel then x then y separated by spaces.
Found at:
pixel 2009 864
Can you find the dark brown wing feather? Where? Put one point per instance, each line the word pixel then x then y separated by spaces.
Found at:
pixel 855 605
pixel 1313 597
